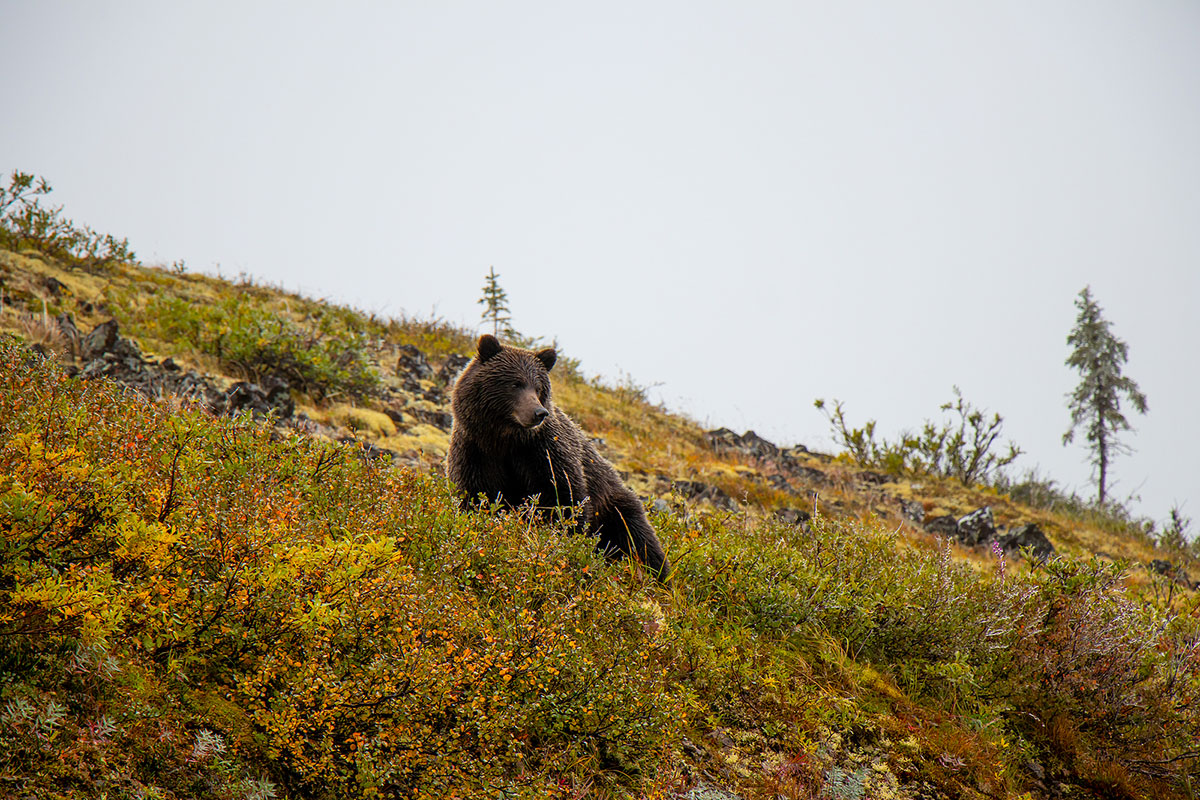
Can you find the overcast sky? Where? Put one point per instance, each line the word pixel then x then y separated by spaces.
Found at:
pixel 746 205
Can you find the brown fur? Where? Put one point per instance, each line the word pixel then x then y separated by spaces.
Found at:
pixel 510 444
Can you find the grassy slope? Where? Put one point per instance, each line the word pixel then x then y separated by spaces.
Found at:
pixel 337 631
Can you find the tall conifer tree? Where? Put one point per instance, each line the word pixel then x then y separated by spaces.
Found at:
pixel 1099 356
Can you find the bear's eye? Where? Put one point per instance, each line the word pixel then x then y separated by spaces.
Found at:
pixel 517 384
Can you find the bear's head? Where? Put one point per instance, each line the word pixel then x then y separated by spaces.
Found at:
pixel 504 390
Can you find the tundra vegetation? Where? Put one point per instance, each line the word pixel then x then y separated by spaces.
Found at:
pixel 204 606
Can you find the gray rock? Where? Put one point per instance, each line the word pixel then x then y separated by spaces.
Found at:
pixel 126 349
pixel 750 443
pixel 54 286
pixel 1027 536
pixel 108 355
pixel 977 527
pixel 698 490
pixel 153 380
pixel 1172 571
pixel 413 361
pixel 808 474
pixel 438 419
pixel 273 397
pixel 453 365
pixel 913 510
pixel 943 526
pixel 723 439
pixel 779 482
pixel 793 516
pixel 1162 566
pixel 101 340
pixel 66 325
pixel 756 445
pixel 411 368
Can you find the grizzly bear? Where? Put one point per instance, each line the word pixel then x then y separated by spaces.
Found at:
pixel 510 444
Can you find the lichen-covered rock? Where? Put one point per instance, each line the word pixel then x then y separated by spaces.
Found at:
pixel 978 527
pixel 1027 536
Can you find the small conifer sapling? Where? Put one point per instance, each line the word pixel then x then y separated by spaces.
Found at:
pixel 495 305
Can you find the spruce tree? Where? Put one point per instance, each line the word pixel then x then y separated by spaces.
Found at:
pixel 1099 356
pixel 495 304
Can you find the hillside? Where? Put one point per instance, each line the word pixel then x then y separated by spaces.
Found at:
pixel 233 569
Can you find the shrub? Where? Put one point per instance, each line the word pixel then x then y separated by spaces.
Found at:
pixel 961 448
pixel 25 222
pixel 324 356
pixel 1095 677
pixel 860 442
pixel 1081 673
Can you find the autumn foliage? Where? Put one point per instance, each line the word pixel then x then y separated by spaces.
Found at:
pixel 199 606
pixel 241 612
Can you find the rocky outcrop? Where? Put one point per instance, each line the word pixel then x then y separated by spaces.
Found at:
pixel 273 397
pixel 698 490
pixel 412 368
pixel 104 353
pixel 435 417
pixel 453 365
pixel 413 362
pixel 872 478
pixel 978 530
pixel 782 465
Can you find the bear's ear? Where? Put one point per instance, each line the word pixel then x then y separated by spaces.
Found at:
pixel 547 357
pixel 488 346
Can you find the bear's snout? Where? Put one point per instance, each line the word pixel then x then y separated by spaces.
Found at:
pixel 529 411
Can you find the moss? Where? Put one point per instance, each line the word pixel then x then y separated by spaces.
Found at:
pixel 421 438
pixel 424 405
pixel 25 271
pixel 363 421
